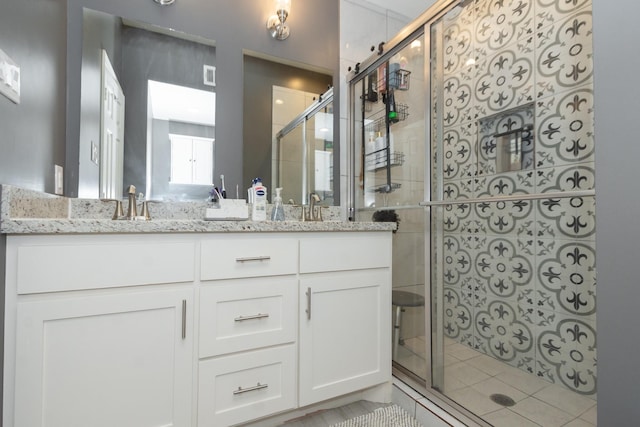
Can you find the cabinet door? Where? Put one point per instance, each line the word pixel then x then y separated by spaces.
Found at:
pixel 111 360
pixel 345 333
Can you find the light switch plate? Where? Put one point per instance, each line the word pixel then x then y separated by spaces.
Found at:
pixel 94 152
pixel 59 180
pixel 9 78
pixel 209 75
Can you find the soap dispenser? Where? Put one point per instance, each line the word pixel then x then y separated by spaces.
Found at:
pixel 277 213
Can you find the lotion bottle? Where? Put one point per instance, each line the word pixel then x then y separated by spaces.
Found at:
pixel 259 207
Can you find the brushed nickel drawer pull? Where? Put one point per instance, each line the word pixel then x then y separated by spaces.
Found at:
pixel 254 258
pixel 255 316
pixel 259 386
pixel 184 319
pixel 308 310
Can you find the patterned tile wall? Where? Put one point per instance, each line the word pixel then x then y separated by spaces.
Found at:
pixel 519 277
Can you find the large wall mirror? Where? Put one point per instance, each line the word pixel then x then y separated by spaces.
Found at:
pixel 148 111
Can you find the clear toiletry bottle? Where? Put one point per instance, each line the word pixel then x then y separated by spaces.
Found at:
pixel 277 213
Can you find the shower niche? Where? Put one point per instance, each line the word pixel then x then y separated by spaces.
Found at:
pixel 507 142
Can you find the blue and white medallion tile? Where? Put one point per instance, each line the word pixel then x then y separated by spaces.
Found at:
pixel 500 23
pixel 458 44
pixel 505 217
pixel 564 54
pixel 505 79
pixel 567 353
pixel 566 218
pixel 504 334
pixel 551 11
pixel 566 279
pixel 564 133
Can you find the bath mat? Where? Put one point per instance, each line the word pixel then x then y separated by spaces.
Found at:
pixel 389 416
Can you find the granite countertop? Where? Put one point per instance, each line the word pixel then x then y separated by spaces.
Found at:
pixel 76 226
pixel 29 212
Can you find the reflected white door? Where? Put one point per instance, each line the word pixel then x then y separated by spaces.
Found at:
pixel 112 132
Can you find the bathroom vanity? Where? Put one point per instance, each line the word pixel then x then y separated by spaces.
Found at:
pixel 235 323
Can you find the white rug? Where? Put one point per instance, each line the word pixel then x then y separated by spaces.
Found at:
pixel 389 416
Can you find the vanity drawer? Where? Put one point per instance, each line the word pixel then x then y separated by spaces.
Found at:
pixel 248 256
pixel 345 251
pixel 247 314
pixel 241 387
pixel 68 263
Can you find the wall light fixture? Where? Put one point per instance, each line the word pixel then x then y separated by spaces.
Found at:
pixel 275 24
pixel 164 2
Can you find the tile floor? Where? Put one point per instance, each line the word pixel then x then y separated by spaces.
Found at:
pixel 471 377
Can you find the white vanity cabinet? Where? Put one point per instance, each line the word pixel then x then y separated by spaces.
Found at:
pixel 192 329
pixel 99 331
pixel 345 300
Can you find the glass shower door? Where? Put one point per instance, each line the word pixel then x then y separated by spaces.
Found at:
pixel 512 266
pixel 389 115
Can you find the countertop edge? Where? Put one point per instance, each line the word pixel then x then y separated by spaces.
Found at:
pixel 102 226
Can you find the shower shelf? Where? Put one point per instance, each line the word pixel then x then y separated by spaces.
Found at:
pixel 373 163
pixel 378 121
pixel 385 188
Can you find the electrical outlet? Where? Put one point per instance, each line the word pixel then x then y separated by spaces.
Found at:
pixel 59 179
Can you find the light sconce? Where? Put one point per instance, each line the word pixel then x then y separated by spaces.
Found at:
pixel 275 24
pixel 165 2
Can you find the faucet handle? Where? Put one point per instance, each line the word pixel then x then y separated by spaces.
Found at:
pixel 145 210
pixel 118 213
pixel 319 212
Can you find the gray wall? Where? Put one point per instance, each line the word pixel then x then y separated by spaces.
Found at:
pixel 259 78
pixel 150 56
pixel 32 133
pixel 616 60
pixel 238 28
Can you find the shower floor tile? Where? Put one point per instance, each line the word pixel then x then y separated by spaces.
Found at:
pixel 471 377
pixel 487 364
pixel 507 418
pixel 494 386
pixel 475 401
pixel 566 400
pixel 521 380
pixel 542 413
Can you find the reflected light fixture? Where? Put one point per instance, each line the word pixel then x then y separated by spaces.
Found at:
pixel 164 2
pixel 275 24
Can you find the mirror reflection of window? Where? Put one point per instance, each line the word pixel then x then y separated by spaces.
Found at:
pixel 191 160
pixel 180 141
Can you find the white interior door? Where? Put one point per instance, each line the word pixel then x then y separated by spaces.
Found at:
pixel 112 132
